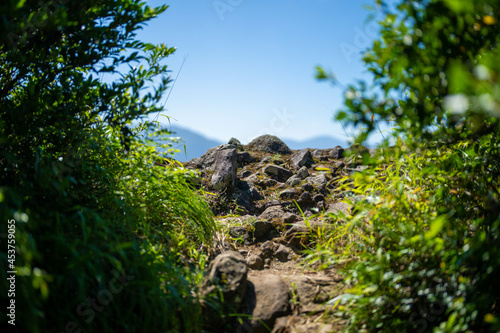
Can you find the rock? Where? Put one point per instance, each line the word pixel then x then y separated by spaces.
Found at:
pixel 313 291
pixel 297 235
pixel 266 204
pixel 305 198
pixel 239 232
pixel 319 181
pixel 261 228
pixel 317 153
pixel 269 182
pixel 281 325
pixel 290 218
pixel 294 181
pixel 337 152
pixel 302 158
pixel 278 173
pixel 318 198
pixel 303 173
pixel 228 272
pixel 269 144
pixel 271 301
pixel 224 175
pixel 268 249
pixel 289 193
pixel 307 187
pixel 243 200
pixel 207 160
pixel 244 174
pixel 254 194
pixel 255 262
pixel 235 142
pixel 272 213
pixel 283 253
pixel 338 207
pixel 244 158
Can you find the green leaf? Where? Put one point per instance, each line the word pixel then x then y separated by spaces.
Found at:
pixel 436 226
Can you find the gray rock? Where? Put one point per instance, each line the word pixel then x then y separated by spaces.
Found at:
pixel 302 158
pixel 307 187
pixel 337 207
pixel 278 173
pixel 255 262
pixel 283 253
pixel 305 198
pixel 207 160
pixel 297 236
pixel 272 213
pixel 317 153
pixel 234 142
pixel 268 248
pixel 261 228
pixel 228 272
pixel 244 158
pixel 337 152
pixel 243 200
pixel 294 181
pixel 266 204
pixel 319 181
pixel 271 301
pixel 240 232
pixel 224 175
pixel 254 194
pixel 290 218
pixel 318 198
pixel 251 179
pixel 269 144
pixel 303 173
pixel 244 174
pixel 289 193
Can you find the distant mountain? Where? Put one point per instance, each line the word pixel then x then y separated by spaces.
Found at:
pixel 319 142
pixel 197 144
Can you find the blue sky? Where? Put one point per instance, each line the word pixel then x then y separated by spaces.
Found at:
pixel 250 64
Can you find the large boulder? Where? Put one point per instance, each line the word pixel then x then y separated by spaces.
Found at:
pixel 269 144
pixel 224 175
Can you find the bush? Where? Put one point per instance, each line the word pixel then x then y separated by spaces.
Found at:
pixel 107 233
pixel 423 241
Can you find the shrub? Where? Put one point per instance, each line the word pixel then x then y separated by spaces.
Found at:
pixel 423 240
pixel 108 234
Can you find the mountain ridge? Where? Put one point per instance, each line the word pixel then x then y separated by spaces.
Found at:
pixel 196 144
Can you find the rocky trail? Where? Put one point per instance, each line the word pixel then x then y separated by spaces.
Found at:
pixel 270 201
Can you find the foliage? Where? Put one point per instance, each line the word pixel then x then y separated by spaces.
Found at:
pixel 108 234
pixel 423 238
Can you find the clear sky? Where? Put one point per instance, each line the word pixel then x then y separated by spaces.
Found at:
pixel 250 64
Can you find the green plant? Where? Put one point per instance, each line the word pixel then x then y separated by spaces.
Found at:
pixel 94 203
pixel 423 239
